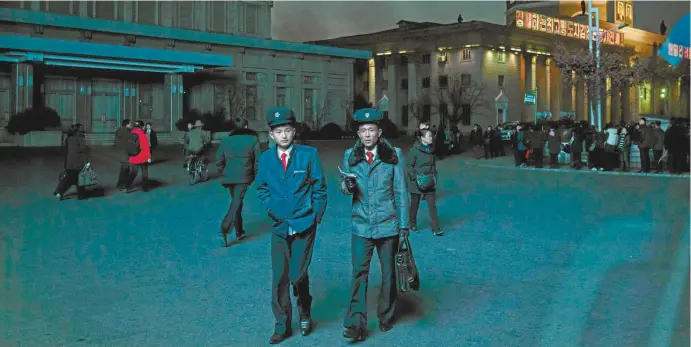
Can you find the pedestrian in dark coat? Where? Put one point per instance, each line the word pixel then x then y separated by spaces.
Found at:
pixel 497 144
pixel 421 161
pixel 624 148
pixel 577 147
pixel 292 189
pixel 440 143
pixel 238 157
pixel 76 159
pixel 123 137
pixel 487 143
pixel 152 137
pixel 374 175
pixel 658 145
pixel 476 141
pixel 677 145
pixel 647 140
pixel 554 147
pixel 537 144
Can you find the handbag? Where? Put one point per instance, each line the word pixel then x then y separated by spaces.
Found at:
pixel 407 275
pixel 426 182
pixel 87 177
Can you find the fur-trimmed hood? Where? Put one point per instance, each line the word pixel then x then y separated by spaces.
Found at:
pixel 243 132
pixel 385 152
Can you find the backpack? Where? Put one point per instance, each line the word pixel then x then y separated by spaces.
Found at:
pixel 133 145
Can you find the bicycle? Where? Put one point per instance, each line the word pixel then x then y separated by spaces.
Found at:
pixel 197 169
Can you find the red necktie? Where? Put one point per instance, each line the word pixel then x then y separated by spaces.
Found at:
pixel 370 157
pixel 284 162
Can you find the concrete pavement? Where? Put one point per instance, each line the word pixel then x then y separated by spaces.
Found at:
pixel 529 259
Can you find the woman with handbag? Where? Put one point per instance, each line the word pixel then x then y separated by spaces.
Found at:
pixel 421 169
pixel 75 161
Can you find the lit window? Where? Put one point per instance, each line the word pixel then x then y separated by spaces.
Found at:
pixel 501 57
pixel 465 54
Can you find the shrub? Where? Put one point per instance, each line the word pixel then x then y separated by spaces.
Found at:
pixel 330 131
pixel 389 129
pixel 213 121
pixel 35 119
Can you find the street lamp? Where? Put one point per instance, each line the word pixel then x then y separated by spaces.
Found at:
pixel 596 29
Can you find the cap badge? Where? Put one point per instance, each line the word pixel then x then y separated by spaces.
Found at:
pixel 367 115
pixel 277 114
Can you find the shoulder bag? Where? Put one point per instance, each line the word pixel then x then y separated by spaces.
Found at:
pixel 87 177
pixel 407 275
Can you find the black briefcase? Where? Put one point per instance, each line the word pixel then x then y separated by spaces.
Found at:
pixel 407 275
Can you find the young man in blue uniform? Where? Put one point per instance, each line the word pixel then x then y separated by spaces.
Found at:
pixel 292 188
pixel 374 174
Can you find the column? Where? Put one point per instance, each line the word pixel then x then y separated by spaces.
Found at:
pixel 604 102
pixel 172 100
pixel 371 81
pixel 84 102
pixel 557 89
pixel 541 84
pixel 615 105
pixel 528 85
pixel 412 90
pixel 393 88
pixel 22 87
pixel 432 99
pixel 130 102
pixel 626 106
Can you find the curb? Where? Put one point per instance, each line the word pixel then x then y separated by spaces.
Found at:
pixel 610 173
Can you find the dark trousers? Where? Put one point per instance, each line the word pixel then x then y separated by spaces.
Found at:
pixel 554 160
pixel 134 169
pixel 519 157
pixel 71 179
pixel 362 250
pixel 234 216
pixel 290 260
pixel 677 161
pixel 657 154
pixel 431 205
pixel 489 152
pixel 538 155
pixel 502 150
pixel 645 159
pixel 123 175
pixel 624 160
pixel 576 159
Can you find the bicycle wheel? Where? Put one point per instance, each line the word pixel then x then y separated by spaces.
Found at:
pixel 193 177
pixel 203 173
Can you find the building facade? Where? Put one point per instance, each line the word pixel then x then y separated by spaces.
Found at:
pixel 99 62
pixel 506 71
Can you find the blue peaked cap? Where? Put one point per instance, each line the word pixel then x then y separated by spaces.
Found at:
pixel 280 116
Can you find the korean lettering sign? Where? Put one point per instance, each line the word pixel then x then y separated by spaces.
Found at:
pixel 678 51
pixel 556 26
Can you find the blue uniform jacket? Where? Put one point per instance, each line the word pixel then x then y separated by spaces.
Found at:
pixel 295 197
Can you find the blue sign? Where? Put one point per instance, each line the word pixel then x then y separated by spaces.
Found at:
pixel 677 45
pixel 529 99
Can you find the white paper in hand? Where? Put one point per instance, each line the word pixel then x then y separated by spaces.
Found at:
pixel 346 174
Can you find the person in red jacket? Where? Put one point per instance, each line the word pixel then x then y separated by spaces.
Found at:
pixel 141 160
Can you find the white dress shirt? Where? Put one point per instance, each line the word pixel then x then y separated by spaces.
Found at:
pixel 291 232
pixel 374 152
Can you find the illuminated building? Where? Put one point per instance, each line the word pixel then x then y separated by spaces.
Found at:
pixel 99 62
pixel 415 60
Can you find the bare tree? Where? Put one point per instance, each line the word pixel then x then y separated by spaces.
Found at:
pixel 348 106
pixel 415 109
pixel 242 101
pixel 323 112
pixel 461 96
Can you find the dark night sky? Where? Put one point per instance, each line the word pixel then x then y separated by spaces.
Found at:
pixel 315 20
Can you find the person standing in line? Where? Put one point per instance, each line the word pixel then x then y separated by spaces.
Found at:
pixel 77 158
pixel 292 189
pixel 123 137
pixel 519 146
pixel 237 158
pixel 577 147
pixel 647 140
pixel 374 175
pixel 624 147
pixel 658 145
pixel 153 139
pixel 537 141
pixel 140 162
pixel 421 161
pixel 554 147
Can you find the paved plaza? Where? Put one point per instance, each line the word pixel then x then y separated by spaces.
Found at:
pixel 534 259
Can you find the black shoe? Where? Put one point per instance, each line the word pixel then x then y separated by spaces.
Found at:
pixel 384 327
pixel 277 338
pixel 225 237
pixel 355 332
pixel 305 326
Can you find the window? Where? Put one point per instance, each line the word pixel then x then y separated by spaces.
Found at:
pixel 426 58
pixel 501 57
pixel 404 60
pixel 425 82
pixel 251 102
pixel 61 7
pixel 104 9
pixel 500 81
pixel 251 76
pixel 404 116
pixel 310 79
pixel 281 96
pixel 426 113
pixel 443 81
pixel 251 19
pixel 443 110
pixel 404 84
pixel 465 116
pixel 465 79
pixel 280 78
pixel 465 54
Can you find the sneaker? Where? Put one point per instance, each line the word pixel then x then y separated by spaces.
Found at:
pixel 414 229
pixel 58 196
pixel 438 232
